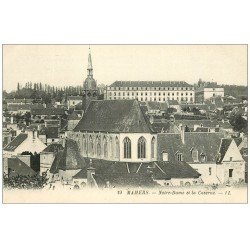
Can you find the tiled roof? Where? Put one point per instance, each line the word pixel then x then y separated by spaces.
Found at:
pixel 17 167
pixel 54 147
pixel 114 116
pixel 17 141
pixel 150 84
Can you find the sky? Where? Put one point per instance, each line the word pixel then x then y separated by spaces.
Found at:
pixel 61 65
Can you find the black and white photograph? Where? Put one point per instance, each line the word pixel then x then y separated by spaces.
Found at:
pixel 125 123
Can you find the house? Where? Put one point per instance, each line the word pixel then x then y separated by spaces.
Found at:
pixel 231 165
pixel 25 141
pixel 207 90
pixel 205 153
pixel 47 156
pixel 49 135
pixel 72 101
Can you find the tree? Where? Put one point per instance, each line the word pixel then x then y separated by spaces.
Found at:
pixel 239 123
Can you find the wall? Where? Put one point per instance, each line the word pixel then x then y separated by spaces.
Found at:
pixel 31 145
pixel 46 160
pixel 203 169
pixel 134 137
pixel 25 159
pixel 210 92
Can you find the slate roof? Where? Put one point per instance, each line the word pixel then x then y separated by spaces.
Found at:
pixel 206 123
pixel 17 141
pixel 53 147
pixel 47 111
pixel 115 116
pixel 17 107
pixel 224 147
pixel 77 97
pixel 156 106
pixel 69 158
pixel 172 102
pixel 50 132
pixel 74 116
pixel 150 84
pixel 207 143
pixel 14 100
pixel 18 167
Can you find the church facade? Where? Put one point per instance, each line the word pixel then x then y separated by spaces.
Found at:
pixel 115 131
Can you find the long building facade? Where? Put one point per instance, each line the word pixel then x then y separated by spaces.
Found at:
pixel 158 91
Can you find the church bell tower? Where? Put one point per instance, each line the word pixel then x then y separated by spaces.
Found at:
pixel 90 91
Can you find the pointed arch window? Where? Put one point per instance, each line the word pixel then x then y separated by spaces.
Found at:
pixel 98 146
pixel 105 147
pixel 127 148
pixel 111 147
pixel 153 147
pixel 117 148
pixel 84 144
pixel 141 148
pixel 91 146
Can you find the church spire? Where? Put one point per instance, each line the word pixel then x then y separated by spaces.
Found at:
pixel 90 67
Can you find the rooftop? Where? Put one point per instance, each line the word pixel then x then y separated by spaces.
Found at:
pixel 150 84
pixel 17 141
pixel 114 116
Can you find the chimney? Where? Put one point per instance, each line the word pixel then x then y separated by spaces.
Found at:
pixel 183 134
pixel 63 142
pixel 151 119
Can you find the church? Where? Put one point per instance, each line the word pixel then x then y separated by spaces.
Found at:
pixel 115 142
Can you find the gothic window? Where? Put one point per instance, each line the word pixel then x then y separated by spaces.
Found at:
pixel 141 148
pixel 91 146
pixel 117 148
pixel 111 147
pixel 127 147
pixel 105 147
pixel 84 144
pixel 98 146
pixel 153 147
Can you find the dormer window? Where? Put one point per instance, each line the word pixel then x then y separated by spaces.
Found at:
pixel 203 157
pixel 195 155
pixel 179 156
